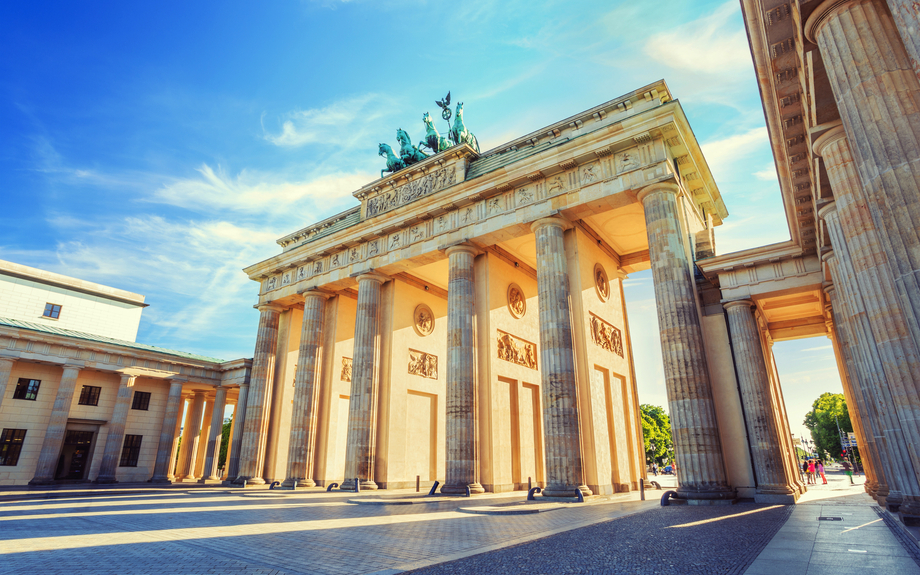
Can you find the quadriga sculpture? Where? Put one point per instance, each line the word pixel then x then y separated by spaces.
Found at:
pixel 458 132
pixel 408 153
pixel 394 163
pixel 433 140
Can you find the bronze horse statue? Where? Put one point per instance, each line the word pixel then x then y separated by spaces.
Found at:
pixel 458 132
pixel 433 140
pixel 394 163
pixel 408 153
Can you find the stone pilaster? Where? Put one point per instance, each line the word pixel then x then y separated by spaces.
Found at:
pixel 878 95
pixel 261 381
pixel 362 407
pixel 215 435
pixel 190 434
pixel 6 371
pixel 700 468
pixel 773 486
pixel 168 432
pixel 302 448
pixel 116 435
pixel 57 426
pixel 561 433
pixel 462 416
pixel 880 411
pixel 239 422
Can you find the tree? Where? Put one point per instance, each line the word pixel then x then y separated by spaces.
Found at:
pixel 656 427
pixel 224 442
pixel 829 410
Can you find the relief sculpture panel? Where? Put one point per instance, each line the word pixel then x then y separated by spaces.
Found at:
pixel 606 335
pixel 346 369
pixel 423 364
pixel 412 191
pixel 516 350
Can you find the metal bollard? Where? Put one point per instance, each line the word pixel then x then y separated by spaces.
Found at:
pixel 642 489
pixel 418 483
pixel 434 488
pixel 531 491
pixel 244 484
pixel 468 494
pixel 357 485
pixel 529 484
pixel 294 486
pixel 331 486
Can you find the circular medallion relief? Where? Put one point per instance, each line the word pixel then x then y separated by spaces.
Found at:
pixel 517 303
pixel 424 320
pixel 601 283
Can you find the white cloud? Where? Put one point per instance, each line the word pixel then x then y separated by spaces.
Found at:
pixel 819 348
pixel 333 125
pixel 723 155
pixel 768 174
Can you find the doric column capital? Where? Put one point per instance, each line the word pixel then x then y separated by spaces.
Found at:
pixel 828 256
pixel 7 361
pixel 829 137
pixel 557 221
pixel 463 247
pixel 663 187
pixel 314 293
pixel 738 303
pixel 829 288
pixel 824 12
pixel 373 276
pixel 127 379
pixel 622 274
pixel 827 209
pixel 269 306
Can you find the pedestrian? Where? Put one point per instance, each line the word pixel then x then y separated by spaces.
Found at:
pixel 821 471
pixel 811 472
pixel 655 469
pixel 805 470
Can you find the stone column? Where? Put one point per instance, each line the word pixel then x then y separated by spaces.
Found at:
pixel 239 421
pixel 6 370
pixel 261 381
pixel 907 18
pixel 878 95
pixel 174 452
pixel 116 436
pixel 773 486
pixel 215 435
pixel 203 436
pixel 462 416
pixel 189 452
pixel 229 443
pixel 168 432
pixel 362 408
pixel 880 410
pixel 698 449
pixel 562 436
pixel 858 244
pixel 57 425
pixel 302 448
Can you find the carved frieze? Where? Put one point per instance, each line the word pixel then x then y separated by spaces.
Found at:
pixel 424 320
pixel 516 350
pixel 346 369
pixel 626 161
pixel 555 184
pixel 423 364
pixel 412 191
pixel 517 303
pixel 606 336
pixel 589 173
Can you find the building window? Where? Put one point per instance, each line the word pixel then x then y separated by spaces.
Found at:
pixel 27 389
pixel 10 445
pixel 131 450
pixel 90 395
pixel 52 310
pixel 141 400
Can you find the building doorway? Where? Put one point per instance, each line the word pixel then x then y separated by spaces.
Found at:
pixel 73 464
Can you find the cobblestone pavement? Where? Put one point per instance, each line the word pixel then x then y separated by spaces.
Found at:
pixel 667 540
pixel 260 531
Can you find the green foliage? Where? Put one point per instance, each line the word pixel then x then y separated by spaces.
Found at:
pixel 656 427
pixel 224 442
pixel 829 410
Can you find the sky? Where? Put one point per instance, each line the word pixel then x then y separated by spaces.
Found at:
pixel 160 147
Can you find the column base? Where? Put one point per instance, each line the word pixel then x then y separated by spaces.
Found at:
pixel 776 498
pixel 42 481
pixel 251 480
pixel 720 496
pixel 105 480
pixel 460 489
pixel 161 480
pixel 289 483
pixel 366 485
pixel 566 491
pixel 210 480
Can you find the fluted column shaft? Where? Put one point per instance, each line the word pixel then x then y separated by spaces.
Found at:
pixel 302 448
pixel 697 446
pixel 763 436
pixel 362 406
pixel 462 416
pixel 877 397
pixel 215 436
pixel 189 452
pixel 174 453
pixel 239 422
pixel 261 381
pixel 116 435
pixel 203 436
pixel 562 436
pixel 907 19
pixel 878 95
pixel 57 425
pixel 166 446
pixel 6 371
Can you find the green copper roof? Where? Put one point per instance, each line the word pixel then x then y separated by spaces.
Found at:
pixel 102 339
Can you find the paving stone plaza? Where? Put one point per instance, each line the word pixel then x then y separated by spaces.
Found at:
pixel 139 529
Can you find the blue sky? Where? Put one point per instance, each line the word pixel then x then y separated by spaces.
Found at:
pixel 159 147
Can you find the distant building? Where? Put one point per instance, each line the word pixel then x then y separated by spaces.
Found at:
pixel 81 400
